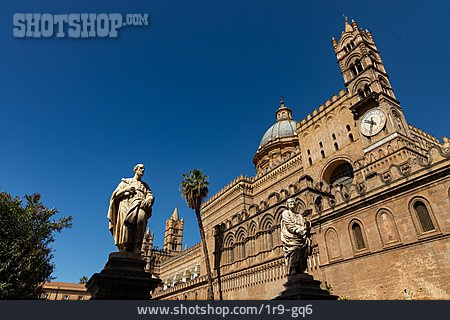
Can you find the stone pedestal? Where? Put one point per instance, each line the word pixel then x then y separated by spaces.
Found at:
pixel 304 287
pixel 123 277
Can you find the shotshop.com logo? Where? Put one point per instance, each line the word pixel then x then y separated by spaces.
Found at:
pixel 74 25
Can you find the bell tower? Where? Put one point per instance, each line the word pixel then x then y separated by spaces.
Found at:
pixel 173 236
pixel 373 101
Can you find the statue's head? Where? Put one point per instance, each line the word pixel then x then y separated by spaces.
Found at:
pixel 290 204
pixel 139 170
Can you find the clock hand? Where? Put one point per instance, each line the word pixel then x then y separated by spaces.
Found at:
pixel 372 123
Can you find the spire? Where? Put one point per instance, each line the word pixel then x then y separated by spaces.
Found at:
pixel 282 102
pixel 348 27
pixel 175 214
pixel 354 25
pixel 334 42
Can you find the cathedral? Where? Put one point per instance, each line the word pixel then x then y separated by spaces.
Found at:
pixel 375 189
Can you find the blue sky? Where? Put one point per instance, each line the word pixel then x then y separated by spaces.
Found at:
pixel 197 88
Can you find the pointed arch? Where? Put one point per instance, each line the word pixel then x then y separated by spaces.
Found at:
pixel 422 214
pixel 229 240
pixel 352 58
pixel 300 205
pixel 357 235
pixel 278 215
pixel 252 229
pixel 228 252
pixel 332 244
pixel 241 235
pixel 266 226
pixel 387 227
pixel 266 222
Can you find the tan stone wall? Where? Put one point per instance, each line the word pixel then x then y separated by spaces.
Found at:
pixel 422 269
pixel 413 260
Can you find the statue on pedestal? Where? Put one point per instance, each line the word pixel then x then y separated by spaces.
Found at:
pixel 297 247
pixel 296 239
pixel 124 276
pixel 129 209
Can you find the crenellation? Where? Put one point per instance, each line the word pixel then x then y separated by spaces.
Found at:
pixel 322 110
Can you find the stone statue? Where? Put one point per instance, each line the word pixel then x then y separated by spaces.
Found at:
pixel 296 238
pixel 129 209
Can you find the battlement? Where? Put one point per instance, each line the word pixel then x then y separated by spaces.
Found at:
pixel 240 179
pixel 422 134
pixel 321 110
pixel 251 183
pixel 183 253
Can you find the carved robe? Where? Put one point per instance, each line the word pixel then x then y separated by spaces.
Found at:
pixel 296 241
pixel 124 211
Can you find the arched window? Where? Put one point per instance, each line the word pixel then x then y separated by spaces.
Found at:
pixel 310 161
pixel 347 127
pixel 320 144
pixel 374 60
pixel 358 66
pixel 318 203
pixel 336 146
pixel 358 236
pixel 384 86
pixel 229 248
pixel 423 216
pixel 353 70
pixel 397 119
pixel 322 153
pixel 342 174
pixel 350 137
pixel 333 136
pixel 361 94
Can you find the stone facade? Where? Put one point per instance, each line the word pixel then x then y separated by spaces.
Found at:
pixel 375 189
pixel 64 291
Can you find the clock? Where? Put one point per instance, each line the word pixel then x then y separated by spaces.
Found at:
pixel 372 122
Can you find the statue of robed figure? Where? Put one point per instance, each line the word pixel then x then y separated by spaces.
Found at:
pixel 296 239
pixel 129 209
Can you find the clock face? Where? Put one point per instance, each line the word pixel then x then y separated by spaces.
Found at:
pixel 372 122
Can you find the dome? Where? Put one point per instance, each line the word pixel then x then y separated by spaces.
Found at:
pixel 281 129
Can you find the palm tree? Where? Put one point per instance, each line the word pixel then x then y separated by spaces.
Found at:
pixel 194 188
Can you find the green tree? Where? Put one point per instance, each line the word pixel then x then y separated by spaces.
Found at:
pixel 83 280
pixel 26 233
pixel 194 188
